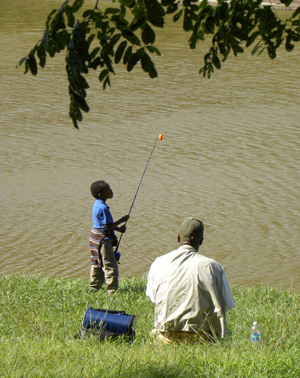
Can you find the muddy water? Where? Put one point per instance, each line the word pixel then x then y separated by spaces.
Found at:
pixel 230 156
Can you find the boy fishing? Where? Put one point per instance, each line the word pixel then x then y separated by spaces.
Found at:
pixel 104 265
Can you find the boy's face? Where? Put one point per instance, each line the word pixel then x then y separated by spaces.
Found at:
pixel 106 193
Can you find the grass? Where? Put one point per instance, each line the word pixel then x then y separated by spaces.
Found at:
pixel 41 316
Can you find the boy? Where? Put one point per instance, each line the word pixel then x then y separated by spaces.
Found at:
pixel 104 266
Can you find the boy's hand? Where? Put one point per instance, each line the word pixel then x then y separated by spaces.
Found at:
pixel 122 229
pixel 125 218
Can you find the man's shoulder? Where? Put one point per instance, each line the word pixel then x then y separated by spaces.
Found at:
pixel 170 254
pixel 161 262
pixel 208 260
pixel 209 263
pixel 166 257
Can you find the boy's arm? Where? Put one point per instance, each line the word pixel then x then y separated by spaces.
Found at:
pixel 121 229
pixel 115 225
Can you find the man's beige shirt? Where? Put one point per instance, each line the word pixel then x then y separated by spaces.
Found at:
pixel 190 291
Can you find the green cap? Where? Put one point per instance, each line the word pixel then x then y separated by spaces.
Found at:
pixel 191 230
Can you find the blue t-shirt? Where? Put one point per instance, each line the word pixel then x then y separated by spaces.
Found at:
pixel 101 215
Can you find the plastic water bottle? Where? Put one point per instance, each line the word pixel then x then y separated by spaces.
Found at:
pixel 255 333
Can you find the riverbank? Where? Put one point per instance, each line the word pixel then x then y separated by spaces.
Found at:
pixel 41 316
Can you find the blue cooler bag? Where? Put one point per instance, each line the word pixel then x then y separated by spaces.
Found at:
pixel 108 324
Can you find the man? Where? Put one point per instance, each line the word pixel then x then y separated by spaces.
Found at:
pixel 190 291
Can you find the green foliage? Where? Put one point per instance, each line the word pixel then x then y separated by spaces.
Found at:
pixel 41 316
pixel 125 33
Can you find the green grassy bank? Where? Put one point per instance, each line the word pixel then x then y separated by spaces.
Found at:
pixel 40 316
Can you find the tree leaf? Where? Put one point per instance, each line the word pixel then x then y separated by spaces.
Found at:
pixel 90 39
pixel 71 19
pixel 187 21
pixel 112 11
pixel 210 25
pixel 166 3
pixel 153 50
pixel 288 45
pixel 75 112
pixel 146 63
pixel 127 54
pixel 108 63
pixel 94 53
pixel 252 38
pixel 115 39
pixel 132 61
pixel 138 23
pixel 272 53
pixel 81 102
pixel 41 53
pixel 122 11
pixel 61 38
pixel 106 82
pixel 172 8
pixel 26 66
pixel 22 61
pixel 193 41
pixel 77 4
pixel 32 64
pixel 131 37
pixel 295 14
pixel 103 74
pixel 87 13
pixel 155 12
pixel 177 15
pixel 237 49
pixel 135 58
pixel 286 2
pixel 127 3
pixel 216 61
pixel 153 73
pixel 49 18
pixel 120 51
pixel 148 35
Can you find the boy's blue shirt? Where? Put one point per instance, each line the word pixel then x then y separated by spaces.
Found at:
pixel 101 214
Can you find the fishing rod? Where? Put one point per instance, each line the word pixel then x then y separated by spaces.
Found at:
pixel 160 137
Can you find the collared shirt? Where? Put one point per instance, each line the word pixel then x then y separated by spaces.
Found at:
pixel 189 291
pixel 101 214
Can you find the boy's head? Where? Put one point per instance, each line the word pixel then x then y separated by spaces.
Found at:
pixel 101 190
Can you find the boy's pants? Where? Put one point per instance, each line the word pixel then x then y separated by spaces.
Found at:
pixel 108 271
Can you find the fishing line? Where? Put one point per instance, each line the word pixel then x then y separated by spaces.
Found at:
pixel 160 137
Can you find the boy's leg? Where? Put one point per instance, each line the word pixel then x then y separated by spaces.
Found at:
pixel 96 277
pixel 96 274
pixel 110 266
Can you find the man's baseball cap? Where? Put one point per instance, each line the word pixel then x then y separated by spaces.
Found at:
pixel 191 230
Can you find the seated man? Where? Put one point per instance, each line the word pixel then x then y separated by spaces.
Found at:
pixel 190 291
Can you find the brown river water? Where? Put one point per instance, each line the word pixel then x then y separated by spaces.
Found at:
pixel 230 156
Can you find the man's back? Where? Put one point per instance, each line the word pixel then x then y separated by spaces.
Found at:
pixel 186 287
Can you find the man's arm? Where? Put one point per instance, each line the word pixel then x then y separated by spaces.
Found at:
pixel 219 291
pixel 150 290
